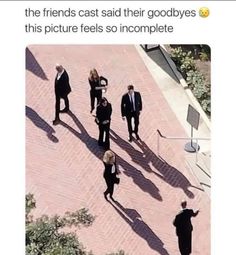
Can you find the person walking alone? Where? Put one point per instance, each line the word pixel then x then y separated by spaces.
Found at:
pixel 110 173
pixel 131 106
pixel 62 89
pixel 184 228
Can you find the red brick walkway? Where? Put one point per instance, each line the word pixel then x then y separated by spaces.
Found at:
pixel 63 164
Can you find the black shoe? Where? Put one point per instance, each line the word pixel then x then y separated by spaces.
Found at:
pixel 130 139
pixel 137 137
pixel 65 110
pixel 56 121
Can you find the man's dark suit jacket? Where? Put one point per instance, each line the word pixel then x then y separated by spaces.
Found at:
pixel 62 86
pixel 183 223
pixel 126 106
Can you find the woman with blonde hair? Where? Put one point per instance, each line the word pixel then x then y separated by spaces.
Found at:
pixel 110 173
pixel 97 85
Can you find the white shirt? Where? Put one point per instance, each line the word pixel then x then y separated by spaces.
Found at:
pixel 60 74
pixel 133 99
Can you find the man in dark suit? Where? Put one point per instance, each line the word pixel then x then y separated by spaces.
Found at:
pixel 62 89
pixel 131 106
pixel 184 228
pixel 103 119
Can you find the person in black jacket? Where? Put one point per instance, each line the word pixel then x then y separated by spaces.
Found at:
pixel 62 89
pixel 131 106
pixel 184 228
pixel 110 173
pixel 103 119
pixel 97 85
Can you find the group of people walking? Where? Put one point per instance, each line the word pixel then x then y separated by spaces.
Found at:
pixel 131 107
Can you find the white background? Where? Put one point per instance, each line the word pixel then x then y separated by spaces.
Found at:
pixel 218 31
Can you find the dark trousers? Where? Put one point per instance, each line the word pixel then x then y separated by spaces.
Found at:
pixel 94 95
pixel 185 243
pixel 110 187
pixel 129 117
pixel 57 106
pixel 104 130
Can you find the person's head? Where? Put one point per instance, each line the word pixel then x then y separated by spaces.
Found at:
pixel 103 102
pixel 109 157
pixel 184 204
pixel 93 74
pixel 130 89
pixel 59 68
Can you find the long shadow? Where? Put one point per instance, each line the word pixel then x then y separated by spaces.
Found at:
pixel 41 123
pixel 136 156
pixel 33 66
pixel 166 172
pixel 83 135
pixel 134 219
pixel 138 178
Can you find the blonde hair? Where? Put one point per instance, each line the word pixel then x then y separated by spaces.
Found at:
pixel 109 157
pixel 91 74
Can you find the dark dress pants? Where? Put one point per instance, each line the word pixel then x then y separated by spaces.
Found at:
pixel 129 117
pixel 185 243
pixel 104 130
pixel 57 106
pixel 93 95
pixel 110 186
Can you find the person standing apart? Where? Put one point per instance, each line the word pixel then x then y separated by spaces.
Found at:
pixel 110 173
pixel 97 85
pixel 103 119
pixel 131 106
pixel 184 228
pixel 62 89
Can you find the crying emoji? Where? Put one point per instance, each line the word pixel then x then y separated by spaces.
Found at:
pixel 204 12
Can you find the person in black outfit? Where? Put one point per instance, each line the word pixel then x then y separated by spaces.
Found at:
pixel 62 89
pixel 184 228
pixel 103 119
pixel 131 106
pixel 97 85
pixel 110 173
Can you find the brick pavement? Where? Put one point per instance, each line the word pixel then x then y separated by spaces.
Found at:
pixel 63 163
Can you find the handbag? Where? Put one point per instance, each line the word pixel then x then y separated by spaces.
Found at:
pixel 117 180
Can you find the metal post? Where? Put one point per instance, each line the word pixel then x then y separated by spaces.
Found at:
pixel 191 136
pixel 196 152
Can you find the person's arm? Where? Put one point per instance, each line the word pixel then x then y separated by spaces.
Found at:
pixel 105 80
pixel 140 102
pixel 108 117
pixel 100 86
pixel 123 106
pixel 195 213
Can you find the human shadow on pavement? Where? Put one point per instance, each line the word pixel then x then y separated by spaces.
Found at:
pixel 166 172
pixel 33 66
pixel 139 179
pixel 134 219
pixel 41 123
pixel 147 157
pixel 137 157
pixel 83 135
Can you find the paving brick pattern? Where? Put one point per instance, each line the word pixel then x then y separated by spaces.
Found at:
pixel 63 163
